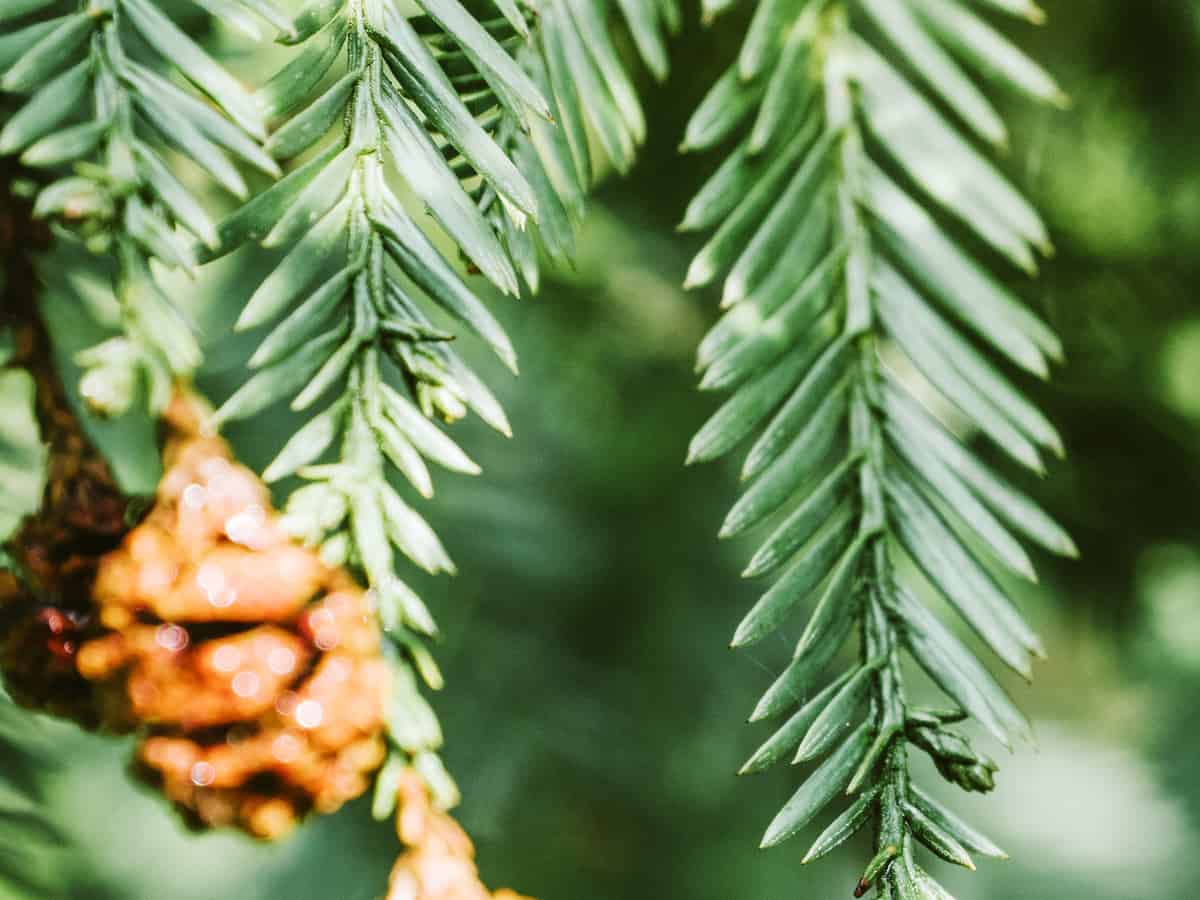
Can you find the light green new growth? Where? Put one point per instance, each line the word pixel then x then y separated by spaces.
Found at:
pixel 840 220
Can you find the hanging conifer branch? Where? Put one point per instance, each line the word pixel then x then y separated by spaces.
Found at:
pixel 459 105
pixel 353 326
pixel 849 173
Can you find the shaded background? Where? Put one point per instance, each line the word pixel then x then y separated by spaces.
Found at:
pixel 593 715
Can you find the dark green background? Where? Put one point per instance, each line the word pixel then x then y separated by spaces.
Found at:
pixel 593 716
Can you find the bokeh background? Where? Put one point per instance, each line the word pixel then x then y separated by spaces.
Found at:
pixel 594 717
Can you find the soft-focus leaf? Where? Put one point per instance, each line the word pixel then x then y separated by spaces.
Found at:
pixel 780 479
pixel 953 825
pixel 22 455
pixel 800 580
pixel 295 271
pixel 937 839
pixel 46 109
pixel 956 671
pixel 307 444
pixel 819 789
pixel 275 383
pixel 254 220
pixel 493 62
pixel 65 146
pixel 424 435
pixel 960 578
pixel 200 68
pixel 174 195
pixel 992 52
pixel 938 69
pixel 743 412
pixel 725 106
pixel 784 741
pixel 48 53
pixel 303 320
pixel 309 126
pixel 295 82
pixel 422 262
pixel 842 828
pixel 837 716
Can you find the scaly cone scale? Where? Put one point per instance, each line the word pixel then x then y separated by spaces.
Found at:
pixel 252 670
pixel 438 862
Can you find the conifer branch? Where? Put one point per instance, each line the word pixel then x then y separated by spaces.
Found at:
pixel 460 103
pixel 100 119
pixel 838 253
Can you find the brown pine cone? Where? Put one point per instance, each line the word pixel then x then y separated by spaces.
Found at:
pixel 253 669
pixel 438 862
pixel 83 512
pixel 47 612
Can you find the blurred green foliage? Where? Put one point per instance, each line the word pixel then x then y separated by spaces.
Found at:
pixel 593 715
